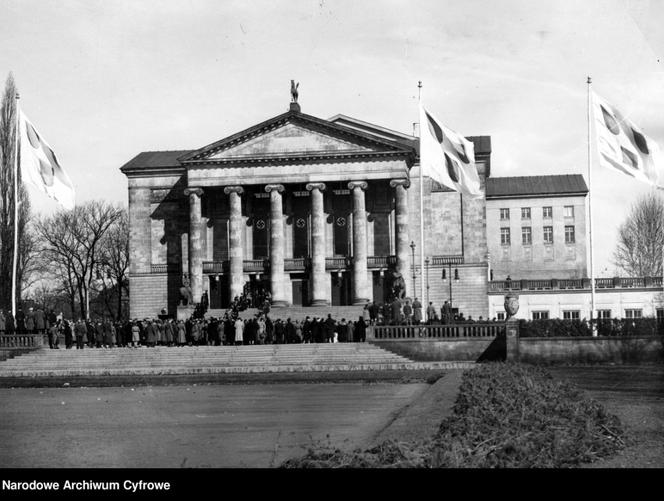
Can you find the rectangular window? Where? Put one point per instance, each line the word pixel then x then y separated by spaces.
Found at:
pixel 569 210
pixel 603 314
pixel 634 313
pixel 569 234
pixel 548 234
pixel 547 212
pixel 500 315
pixel 525 212
pixel 660 314
pixel 526 235
pixel 504 214
pixel 571 314
pixel 504 236
pixel 540 315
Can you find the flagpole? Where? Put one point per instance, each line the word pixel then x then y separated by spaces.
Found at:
pixel 15 259
pixel 590 224
pixel 419 97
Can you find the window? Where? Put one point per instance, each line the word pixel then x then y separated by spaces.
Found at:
pixel 569 234
pixel 604 314
pixel 540 315
pixel 548 234
pixel 547 212
pixel 526 235
pixel 569 210
pixel 634 313
pixel 500 315
pixel 571 314
pixel 525 212
pixel 660 315
pixel 504 236
pixel 504 214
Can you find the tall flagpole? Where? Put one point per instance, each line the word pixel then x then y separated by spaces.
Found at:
pixel 419 97
pixel 590 219
pixel 15 260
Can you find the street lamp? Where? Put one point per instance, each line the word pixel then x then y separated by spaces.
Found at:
pixel 426 262
pixel 412 248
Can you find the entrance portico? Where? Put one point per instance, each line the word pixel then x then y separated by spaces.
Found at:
pixel 290 158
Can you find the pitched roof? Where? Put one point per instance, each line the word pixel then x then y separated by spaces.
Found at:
pixel 503 187
pixel 154 159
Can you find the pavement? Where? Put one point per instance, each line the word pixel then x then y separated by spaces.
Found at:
pixel 210 425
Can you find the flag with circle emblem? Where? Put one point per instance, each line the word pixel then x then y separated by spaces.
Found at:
pixel 447 157
pixel 40 166
pixel 622 145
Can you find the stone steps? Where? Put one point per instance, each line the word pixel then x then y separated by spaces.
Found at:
pixel 213 360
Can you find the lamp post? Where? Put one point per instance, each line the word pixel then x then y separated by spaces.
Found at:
pixel 426 262
pixel 412 248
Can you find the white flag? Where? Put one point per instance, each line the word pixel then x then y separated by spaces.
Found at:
pixel 447 157
pixel 622 145
pixel 40 167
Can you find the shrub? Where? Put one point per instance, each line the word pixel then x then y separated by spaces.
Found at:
pixel 556 327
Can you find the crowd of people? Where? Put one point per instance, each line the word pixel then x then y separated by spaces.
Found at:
pixel 407 312
pixel 229 330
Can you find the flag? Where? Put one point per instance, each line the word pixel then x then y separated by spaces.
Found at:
pixel 40 167
pixel 447 157
pixel 622 145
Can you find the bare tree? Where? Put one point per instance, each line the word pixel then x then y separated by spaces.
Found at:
pixel 72 245
pixel 113 263
pixel 8 115
pixel 641 237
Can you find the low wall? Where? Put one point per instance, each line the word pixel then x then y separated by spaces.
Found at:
pixel 442 350
pixel 586 350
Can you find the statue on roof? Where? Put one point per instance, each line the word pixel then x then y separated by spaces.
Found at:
pixel 293 90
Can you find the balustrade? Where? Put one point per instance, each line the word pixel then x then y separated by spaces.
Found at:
pixel 438 331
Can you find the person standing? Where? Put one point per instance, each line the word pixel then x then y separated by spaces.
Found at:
pixel 361 330
pixel 69 338
pixel 446 313
pixel 408 312
pixel 80 331
pixel 3 324
pixel 30 322
pixel 431 313
pixel 135 335
pixel 20 321
pixel 329 328
pixel 40 321
pixel 417 312
pixel 239 331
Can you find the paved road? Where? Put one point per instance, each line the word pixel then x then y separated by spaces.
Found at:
pixel 192 426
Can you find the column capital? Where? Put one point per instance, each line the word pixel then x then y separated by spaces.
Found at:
pixel 193 191
pixel 233 189
pixel 274 187
pixel 363 185
pixel 400 182
pixel 316 186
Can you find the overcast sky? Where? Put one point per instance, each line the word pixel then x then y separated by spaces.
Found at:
pixel 105 80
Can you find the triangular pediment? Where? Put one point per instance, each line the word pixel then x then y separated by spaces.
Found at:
pixel 289 139
pixel 293 135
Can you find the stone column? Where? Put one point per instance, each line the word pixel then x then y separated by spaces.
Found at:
pixel 195 243
pixel 277 245
pixel 401 225
pixel 360 282
pixel 235 252
pixel 318 278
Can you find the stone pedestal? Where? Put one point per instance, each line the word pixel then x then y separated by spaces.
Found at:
pixel 360 281
pixel 318 278
pixel 277 245
pixel 235 254
pixel 512 339
pixel 184 312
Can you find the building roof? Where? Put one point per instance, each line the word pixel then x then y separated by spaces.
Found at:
pixel 154 159
pixel 567 184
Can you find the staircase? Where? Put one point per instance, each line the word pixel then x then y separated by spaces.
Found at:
pixel 299 312
pixel 210 360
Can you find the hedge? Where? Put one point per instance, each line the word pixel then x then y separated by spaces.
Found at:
pixel 555 327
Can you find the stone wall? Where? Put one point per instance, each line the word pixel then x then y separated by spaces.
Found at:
pixel 468 349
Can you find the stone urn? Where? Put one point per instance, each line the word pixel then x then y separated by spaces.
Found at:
pixel 511 304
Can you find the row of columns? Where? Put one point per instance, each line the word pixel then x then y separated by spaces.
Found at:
pixel 361 285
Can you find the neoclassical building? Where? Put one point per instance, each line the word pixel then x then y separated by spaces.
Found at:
pixel 319 212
